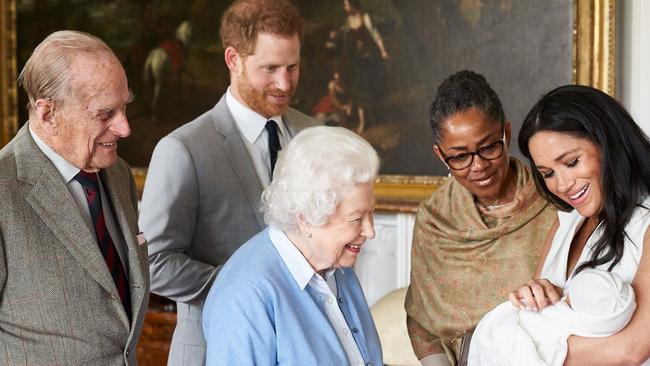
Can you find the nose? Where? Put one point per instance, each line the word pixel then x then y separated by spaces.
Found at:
pixel 479 164
pixel 120 126
pixel 564 182
pixel 368 229
pixel 283 80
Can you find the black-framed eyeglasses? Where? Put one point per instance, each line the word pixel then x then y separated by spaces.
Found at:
pixel 464 160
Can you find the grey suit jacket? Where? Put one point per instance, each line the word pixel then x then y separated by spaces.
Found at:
pixel 58 302
pixel 201 202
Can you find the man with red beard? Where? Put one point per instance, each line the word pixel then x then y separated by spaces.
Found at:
pixel 202 197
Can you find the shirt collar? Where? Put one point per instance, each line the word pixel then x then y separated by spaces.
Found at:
pixel 250 123
pixel 67 170
pixel 300 269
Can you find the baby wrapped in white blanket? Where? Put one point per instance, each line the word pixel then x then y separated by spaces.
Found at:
pixel 600 305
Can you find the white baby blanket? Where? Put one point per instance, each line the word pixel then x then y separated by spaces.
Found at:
pixel 601 305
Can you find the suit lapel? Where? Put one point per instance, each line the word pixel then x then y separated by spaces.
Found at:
pixel 125 215
pixel 53 203
pixel 239 157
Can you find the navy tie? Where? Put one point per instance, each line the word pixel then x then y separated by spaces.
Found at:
pixel 274 142
pixel 90 184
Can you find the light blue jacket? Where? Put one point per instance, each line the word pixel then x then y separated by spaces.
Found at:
pixel 256 314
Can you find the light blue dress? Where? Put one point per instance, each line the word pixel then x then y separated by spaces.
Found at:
pixel 256 314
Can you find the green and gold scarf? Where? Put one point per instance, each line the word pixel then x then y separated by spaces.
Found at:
pixel 461 267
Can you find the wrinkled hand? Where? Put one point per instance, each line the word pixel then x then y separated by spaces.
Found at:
pixel 535 295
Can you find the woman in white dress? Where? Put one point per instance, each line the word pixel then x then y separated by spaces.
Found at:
pixel 591 160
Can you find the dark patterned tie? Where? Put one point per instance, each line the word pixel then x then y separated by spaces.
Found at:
pixel 274 142
pixel 90 185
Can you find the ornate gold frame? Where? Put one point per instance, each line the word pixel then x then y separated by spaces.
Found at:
pixel 593 64
pixel 8 93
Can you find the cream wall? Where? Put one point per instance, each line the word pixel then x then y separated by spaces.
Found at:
pixel 633 71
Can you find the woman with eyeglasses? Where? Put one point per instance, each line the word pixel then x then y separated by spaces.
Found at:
pixel 478 236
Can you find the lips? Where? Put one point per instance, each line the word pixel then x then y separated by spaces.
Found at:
pixel 578 196
pixel 484 180
pixel 108 144
pixel 353 248
pixel 280 99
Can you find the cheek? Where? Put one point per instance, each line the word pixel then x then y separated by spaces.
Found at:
pixel 462 179
pixel 597 177
pixel 258 80
pixel 551 185
pixel 295 77
pixel 503 164
pixel 460 175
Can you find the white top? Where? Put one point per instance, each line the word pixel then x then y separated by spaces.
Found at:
pixel 68 172
pixel 256 138
pixel 305 276
pixel 556 262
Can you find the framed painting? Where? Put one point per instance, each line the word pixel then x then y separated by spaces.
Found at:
pixel 369 65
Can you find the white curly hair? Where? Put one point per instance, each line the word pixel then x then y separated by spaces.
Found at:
pixel 313 173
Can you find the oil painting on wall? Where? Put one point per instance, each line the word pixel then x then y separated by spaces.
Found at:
pixel 369 65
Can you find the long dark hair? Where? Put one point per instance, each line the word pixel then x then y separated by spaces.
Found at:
pixel 588 113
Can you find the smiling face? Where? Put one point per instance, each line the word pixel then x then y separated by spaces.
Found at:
pixel 266 80
pixel 338 242
pixel 93 119
pixel 571 168
pixel 468 131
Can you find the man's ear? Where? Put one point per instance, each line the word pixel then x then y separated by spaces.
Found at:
pixel 436 150
pixel 45 111
pixel 233 59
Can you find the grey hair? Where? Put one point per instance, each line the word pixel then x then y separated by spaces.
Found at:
pixel 312 174
pixel 47 73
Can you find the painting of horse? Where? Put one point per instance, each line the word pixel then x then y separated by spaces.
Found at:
pixel 167 60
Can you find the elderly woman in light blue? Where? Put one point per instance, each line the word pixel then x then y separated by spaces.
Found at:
pixel 288 296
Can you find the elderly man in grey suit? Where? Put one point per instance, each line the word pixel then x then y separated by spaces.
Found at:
pixel 202 196
pixel 74 281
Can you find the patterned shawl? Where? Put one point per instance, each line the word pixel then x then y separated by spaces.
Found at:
pixel 461 268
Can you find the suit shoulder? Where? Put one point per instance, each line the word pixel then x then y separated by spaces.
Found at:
pixel 8 167
pixel 301 120
pixel 8 152
pixel 7 159
pixel 196 128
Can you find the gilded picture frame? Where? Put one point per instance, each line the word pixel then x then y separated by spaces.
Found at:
pixel 593 63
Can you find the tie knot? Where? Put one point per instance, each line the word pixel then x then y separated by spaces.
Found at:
pixel 272 127
pixel 87 180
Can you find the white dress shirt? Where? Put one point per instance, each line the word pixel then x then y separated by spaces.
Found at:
pixel 68 172
pixel 251 126
pixel 305 275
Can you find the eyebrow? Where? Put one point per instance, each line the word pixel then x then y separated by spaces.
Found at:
pixel 103 111
pixel 480 142
pixel 356 212
pixel 108 110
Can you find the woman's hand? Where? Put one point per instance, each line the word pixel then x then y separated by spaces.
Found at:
pixel 535 295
